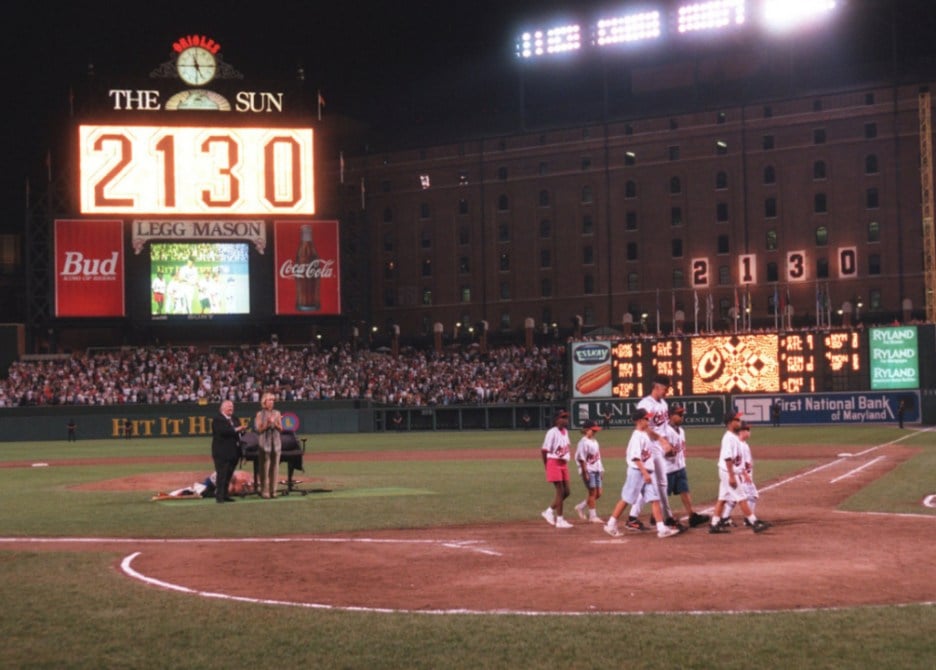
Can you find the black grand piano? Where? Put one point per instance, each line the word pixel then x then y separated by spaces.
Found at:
pixel 291 454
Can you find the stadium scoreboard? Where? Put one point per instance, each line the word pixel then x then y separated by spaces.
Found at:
pixel 196 170
pixel 797 362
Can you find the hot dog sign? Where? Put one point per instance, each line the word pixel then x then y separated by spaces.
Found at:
pixel 591 369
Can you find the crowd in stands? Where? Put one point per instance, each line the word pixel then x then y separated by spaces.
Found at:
pixel 509 374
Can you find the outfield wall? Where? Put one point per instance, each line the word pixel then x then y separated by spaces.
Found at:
pixel 182 420
pixel 28 424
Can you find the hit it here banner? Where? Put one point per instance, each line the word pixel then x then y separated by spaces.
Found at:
pixel 308 277
pixel 89 268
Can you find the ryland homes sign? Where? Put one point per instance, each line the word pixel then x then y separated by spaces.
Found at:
pixel 895 358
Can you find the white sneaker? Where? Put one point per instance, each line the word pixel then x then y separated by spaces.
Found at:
pixel 612 530
pixel 669 531
pixel 562 523
pixel 596 519
pixel 550 516
pixel 580 508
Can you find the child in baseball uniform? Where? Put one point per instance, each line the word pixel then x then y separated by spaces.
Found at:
pixel 588 457
pixel 640 479
pixel 729 478
pixel 747 484
pixel 677 479
pixel 556 451
pixel 658 416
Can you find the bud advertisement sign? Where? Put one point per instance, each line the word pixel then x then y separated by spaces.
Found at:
pixel 306 264
pixel 89 268
pixel 895 358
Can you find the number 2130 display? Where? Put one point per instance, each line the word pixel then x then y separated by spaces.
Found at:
pixel 196 170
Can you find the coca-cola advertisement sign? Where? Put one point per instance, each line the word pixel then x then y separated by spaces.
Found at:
pixel 89 268
pixel 308 280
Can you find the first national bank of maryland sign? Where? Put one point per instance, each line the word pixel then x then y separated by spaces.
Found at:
pixel 201 169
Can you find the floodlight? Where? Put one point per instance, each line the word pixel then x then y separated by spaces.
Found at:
pixel 552 41
pixel 710 15
pixel 785 15
pixel 629 28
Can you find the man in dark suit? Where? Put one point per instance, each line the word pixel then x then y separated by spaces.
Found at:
pixel 225 435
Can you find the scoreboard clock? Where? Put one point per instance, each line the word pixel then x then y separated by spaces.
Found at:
pixel 202 171
pixel 796 362
pixel 196 65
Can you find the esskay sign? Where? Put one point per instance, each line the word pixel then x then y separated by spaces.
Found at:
pixel 895 358
pixel 89 268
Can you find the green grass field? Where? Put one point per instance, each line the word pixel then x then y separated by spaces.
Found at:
pixel 66 609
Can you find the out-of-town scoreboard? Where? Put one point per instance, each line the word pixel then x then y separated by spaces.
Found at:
pixel 791 362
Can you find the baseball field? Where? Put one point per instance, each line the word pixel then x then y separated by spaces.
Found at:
pixel 427 550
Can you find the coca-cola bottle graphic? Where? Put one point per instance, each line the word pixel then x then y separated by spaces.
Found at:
pixel 308 291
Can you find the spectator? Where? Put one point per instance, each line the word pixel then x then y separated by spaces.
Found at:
pixel 159 375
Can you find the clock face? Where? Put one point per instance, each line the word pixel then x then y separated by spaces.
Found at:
pixel 196 66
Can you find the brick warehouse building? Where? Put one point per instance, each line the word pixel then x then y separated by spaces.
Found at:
pixel 631 217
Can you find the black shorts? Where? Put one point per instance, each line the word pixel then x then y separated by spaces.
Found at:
pixel 677 482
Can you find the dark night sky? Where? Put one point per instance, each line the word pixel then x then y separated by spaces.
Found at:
pixel 354 51
pixel 351 50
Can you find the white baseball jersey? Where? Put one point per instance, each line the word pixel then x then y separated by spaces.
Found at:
pixel 657 412
pixel 747 461
pixel 730 450
pixel 588 451
pixel 747 468
pixel 556 444
pixel 676 436
pixel 640 447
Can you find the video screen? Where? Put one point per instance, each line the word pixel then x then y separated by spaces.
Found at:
pixel 199 280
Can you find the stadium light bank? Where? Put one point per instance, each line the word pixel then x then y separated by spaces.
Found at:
pixel 650 22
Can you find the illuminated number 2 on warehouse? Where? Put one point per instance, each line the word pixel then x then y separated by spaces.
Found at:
pixel 179 170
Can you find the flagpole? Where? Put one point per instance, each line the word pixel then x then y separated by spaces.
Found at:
pixel 674 312
pixel 776 308
pixel 749 310
pixel 737 310
pixel 695 309
pixel 750 313
pixel 818 305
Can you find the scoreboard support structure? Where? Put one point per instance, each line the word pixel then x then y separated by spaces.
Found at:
pixel 926 183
